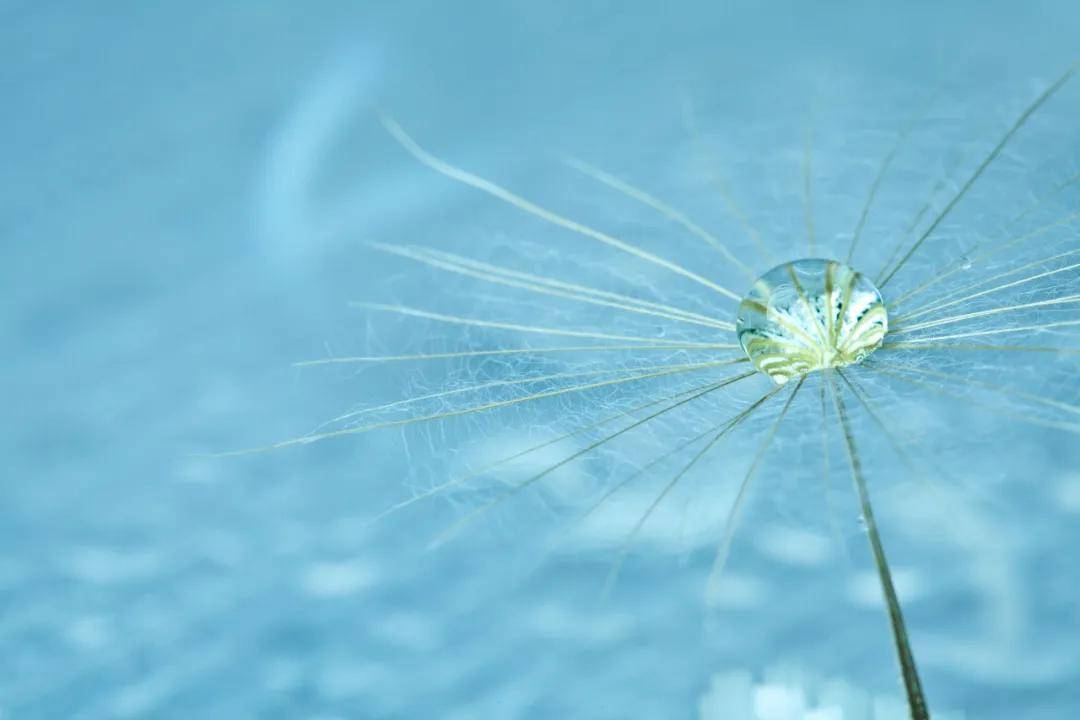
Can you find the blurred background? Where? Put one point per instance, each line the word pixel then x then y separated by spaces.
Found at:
pixel 187 190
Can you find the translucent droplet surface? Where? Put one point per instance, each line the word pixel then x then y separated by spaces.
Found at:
pixel 810 315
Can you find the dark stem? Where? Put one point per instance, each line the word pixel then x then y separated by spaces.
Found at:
pixel 912 685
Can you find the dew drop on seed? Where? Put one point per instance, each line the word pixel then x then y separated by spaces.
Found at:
pixel 810 315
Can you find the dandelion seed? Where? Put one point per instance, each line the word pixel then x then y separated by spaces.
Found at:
pixel 812 316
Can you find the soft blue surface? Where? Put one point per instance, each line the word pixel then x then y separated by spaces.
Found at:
pixel 187 190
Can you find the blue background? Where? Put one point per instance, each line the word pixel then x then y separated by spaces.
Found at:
pixel 186 193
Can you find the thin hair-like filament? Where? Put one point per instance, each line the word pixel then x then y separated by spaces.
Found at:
pixel 501 193
pixel 723 548
pixel 1020 121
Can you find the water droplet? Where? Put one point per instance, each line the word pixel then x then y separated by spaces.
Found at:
pixel 810 315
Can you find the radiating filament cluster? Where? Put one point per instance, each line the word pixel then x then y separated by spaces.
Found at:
pixel 808 315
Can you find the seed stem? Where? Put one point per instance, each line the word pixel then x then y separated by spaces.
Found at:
pixel 909 673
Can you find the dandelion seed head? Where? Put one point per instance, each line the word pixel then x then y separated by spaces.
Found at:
pixel 550 339
pixel 810 315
